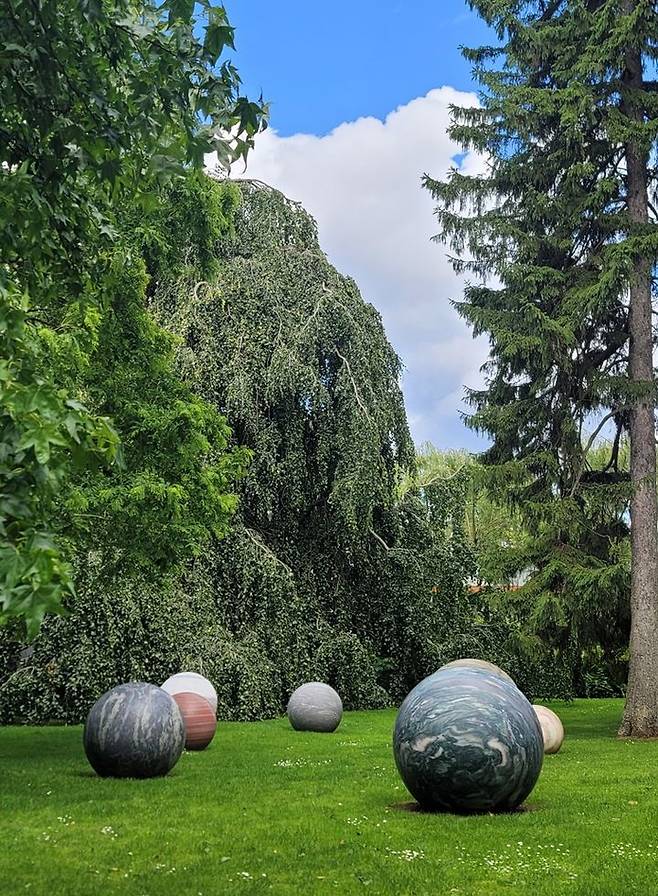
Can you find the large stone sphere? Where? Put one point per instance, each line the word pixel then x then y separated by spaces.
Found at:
pixel 134 731
pixel 191 683
pixel 468 741
pixel 484 665
pixel 315 707
pixel 551 728
pixel 198 718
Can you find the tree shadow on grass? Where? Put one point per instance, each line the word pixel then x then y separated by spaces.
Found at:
pixel 591 719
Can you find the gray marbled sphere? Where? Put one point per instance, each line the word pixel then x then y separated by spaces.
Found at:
pixel 134 731
pixel 468 741
pixel 315 707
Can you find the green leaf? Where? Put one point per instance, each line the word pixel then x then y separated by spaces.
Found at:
pixel 217 37
pixel 179 10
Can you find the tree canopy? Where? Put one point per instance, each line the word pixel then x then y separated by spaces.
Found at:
pixel 333 568
pixel 101 104
pixel 584 639
pixel 285 347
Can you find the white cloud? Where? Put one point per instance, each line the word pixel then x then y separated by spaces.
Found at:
pixel 362 183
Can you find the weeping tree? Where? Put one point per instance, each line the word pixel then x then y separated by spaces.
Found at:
pixel 559 237
pixel 329 572
pixel 331 568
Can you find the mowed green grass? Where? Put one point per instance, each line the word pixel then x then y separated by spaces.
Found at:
pixel 269 810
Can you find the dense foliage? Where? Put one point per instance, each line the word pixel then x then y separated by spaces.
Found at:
pixel 493 529
pixel 553 235
pixel 101 102
pixel 128 531
pixel 495 619
pixel 328 570
pixel 334 568
pixel 584 653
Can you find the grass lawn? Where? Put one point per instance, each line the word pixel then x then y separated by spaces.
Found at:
pixel 267 809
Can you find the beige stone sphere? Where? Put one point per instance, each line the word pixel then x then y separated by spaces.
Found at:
pixel 551 728
pixel 485 665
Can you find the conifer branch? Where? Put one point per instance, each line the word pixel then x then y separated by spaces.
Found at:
pixel 550 10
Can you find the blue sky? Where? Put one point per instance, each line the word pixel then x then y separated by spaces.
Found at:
pixel 324 63
pixel 359 95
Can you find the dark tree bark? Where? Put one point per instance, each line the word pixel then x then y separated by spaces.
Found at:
pixel 641 711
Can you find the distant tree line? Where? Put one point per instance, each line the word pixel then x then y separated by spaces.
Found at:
pixel 582 628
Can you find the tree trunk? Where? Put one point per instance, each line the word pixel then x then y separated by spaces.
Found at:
pixel 641 710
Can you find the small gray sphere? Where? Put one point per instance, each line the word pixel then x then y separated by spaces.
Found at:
pixel 134 731
pixel 315 707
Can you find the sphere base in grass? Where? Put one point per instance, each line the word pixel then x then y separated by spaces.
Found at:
pixel 484 665
pixel 551 728
pixel 191 683
pixel 134 730
pixel 198 718
pixel 315 706
pixel 468 741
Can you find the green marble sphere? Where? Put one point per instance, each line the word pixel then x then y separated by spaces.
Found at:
pixel 134 731
pixel 466 740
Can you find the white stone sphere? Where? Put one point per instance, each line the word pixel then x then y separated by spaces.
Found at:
pixel 315 706
pixel 191 682
pixel 551 728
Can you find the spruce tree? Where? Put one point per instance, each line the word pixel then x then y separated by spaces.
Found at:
pixel 559 239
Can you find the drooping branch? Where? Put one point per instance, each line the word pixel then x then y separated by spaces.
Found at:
pixel 379 539
pixel 357 394
pixel 256 539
